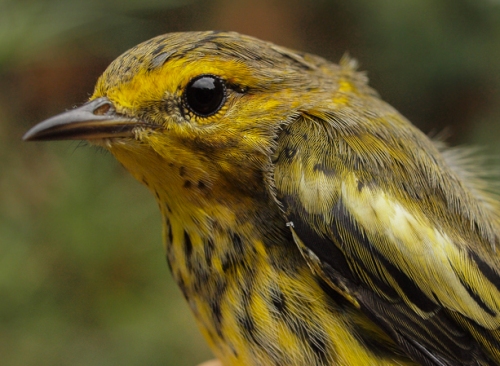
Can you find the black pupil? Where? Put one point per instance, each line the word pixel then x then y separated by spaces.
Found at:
pixel 205 95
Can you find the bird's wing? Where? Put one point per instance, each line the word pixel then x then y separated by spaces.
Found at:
pixel 378 213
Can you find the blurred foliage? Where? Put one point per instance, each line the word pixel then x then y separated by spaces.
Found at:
pixel 83 279
pixel 26 27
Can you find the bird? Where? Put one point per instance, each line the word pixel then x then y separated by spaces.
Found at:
pixel 305 220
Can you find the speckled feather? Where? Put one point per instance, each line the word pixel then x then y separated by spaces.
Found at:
pixel 389 256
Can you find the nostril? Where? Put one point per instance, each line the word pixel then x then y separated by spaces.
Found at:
pixel 102 109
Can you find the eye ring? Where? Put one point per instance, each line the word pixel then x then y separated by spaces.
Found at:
pixel 205 95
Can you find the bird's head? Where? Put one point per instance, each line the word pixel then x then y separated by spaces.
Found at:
pixel 196 110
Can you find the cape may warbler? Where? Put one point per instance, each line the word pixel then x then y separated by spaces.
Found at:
pixel 305 220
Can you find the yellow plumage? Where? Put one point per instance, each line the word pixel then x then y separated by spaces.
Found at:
pixel 305 220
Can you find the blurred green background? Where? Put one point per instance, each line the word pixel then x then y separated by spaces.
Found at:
pixel 83 280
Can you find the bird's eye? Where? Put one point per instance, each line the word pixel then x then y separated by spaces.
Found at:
pixel 205 95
